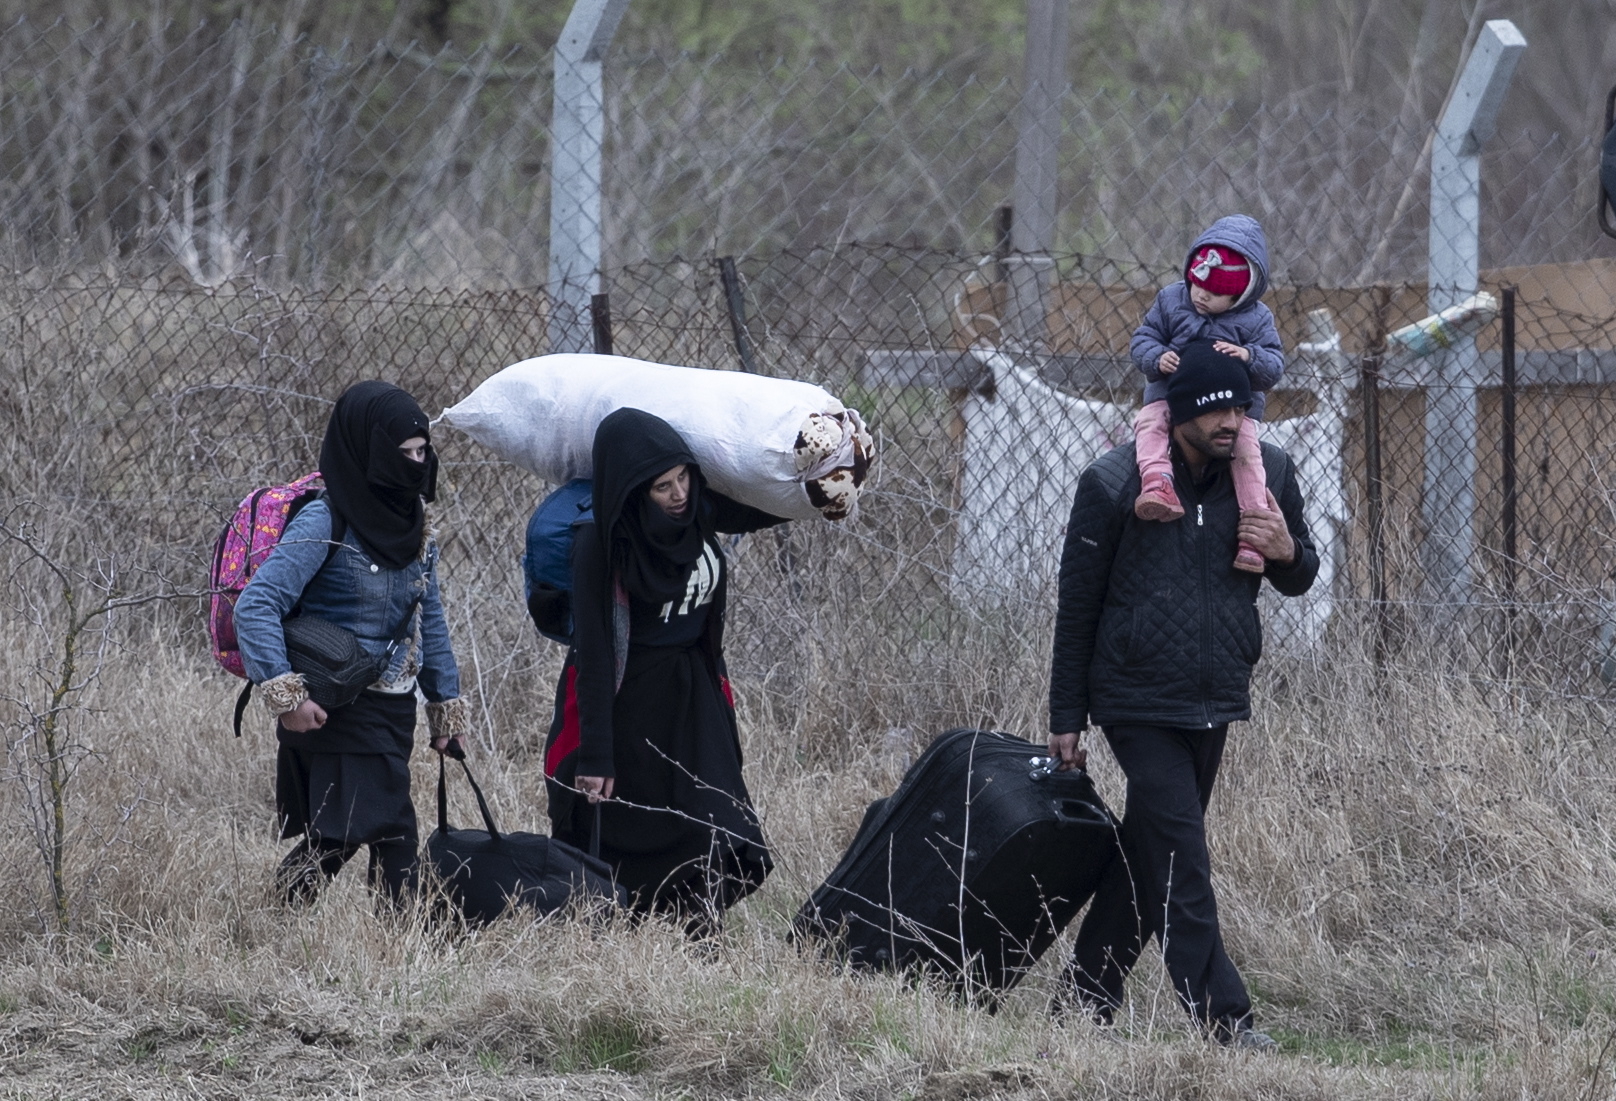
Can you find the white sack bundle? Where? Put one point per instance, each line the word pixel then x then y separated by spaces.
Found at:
pixel 788 448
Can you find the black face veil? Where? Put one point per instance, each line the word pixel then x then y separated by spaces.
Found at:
pixel 649 549
pixel 368 480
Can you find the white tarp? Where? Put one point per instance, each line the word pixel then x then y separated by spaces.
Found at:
pixel 1025 445
pixel 788 448
pixel 1314 443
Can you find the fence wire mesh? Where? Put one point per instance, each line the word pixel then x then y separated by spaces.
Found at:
pixel 206 254
pixel 136 416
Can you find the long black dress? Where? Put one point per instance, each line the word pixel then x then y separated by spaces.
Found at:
pixel 680 829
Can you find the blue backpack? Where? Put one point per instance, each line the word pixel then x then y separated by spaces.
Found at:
pixel 547 562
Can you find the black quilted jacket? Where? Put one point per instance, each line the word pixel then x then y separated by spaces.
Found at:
pixel 1155 625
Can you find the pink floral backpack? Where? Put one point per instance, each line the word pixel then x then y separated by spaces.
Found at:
pixel 246 541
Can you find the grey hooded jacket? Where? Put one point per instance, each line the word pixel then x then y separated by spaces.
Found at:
pixel 1172 322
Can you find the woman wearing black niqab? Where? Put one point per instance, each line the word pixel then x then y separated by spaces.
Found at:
pixel 643 717
pixel 361 557
pixel 370 482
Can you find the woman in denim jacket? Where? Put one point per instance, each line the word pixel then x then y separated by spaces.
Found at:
pixel 361 557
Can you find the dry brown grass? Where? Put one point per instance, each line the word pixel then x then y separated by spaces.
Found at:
pixel 1416 883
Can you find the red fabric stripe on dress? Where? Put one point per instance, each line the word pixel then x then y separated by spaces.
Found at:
pixel 567 740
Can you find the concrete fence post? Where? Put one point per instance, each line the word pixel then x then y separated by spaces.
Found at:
pixel 577 131
pixel 1032 232
pixel 1453 275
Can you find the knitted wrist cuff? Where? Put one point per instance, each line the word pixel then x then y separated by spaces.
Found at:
pixel 283 693
pixel 448 718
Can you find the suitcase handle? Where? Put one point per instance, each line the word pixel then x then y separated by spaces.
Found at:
pixel 443 800
pixel 1045 767
pixel 1078 812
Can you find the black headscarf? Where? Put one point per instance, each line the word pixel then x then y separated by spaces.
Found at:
pixel 649 549
pixel 368 481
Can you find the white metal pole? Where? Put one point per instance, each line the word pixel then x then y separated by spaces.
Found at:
pixel 577 131
pixel 1453 275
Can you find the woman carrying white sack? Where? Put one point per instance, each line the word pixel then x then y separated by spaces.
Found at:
pixel 644 722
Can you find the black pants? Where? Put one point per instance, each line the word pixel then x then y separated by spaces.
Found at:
pixel 347 785
pixel 1162 886
pixel 312 862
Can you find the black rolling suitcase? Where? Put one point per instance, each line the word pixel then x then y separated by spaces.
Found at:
pixel 486 873
pixel 972 867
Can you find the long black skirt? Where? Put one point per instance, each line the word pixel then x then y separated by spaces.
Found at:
pixel 349 781
pixel 680 828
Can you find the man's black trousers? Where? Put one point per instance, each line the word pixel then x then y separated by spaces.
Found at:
pixel 1162 886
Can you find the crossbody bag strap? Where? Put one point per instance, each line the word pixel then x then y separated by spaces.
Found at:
pixel 402 631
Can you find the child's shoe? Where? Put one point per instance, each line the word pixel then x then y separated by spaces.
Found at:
pixel 1250 559
pixel 1158 500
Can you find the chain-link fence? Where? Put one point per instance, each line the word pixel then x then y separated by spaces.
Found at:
pixel 214 232
pixel 137 415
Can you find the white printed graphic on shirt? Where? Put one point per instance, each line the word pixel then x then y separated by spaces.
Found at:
pixel 700 588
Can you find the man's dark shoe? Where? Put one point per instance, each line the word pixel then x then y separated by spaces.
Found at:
pixel 1249 1039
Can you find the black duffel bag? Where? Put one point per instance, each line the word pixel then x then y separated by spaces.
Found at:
pixel 486 873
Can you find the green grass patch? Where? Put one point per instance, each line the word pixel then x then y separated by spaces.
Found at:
pixel 607 1042
pixel 889 1027
pixel 141 1048
pixel 1396 1052
pixel 788 1051
pixel 1574 996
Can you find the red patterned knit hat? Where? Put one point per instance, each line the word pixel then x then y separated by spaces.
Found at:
pixel 1221 270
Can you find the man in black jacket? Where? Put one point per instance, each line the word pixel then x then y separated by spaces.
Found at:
pixel 1156 635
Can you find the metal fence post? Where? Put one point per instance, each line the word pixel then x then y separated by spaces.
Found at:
pixel 1374 488
pixel 577 131
pixel 600 323
pixel 1507 446
pixel 1004 220
pixel 1453 274
pixel 735 307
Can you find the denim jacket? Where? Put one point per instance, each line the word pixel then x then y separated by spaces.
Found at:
pixel 353 592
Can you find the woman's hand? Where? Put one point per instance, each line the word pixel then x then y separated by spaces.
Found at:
pixel 595 788
pixel 306 716
pixel 449 746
